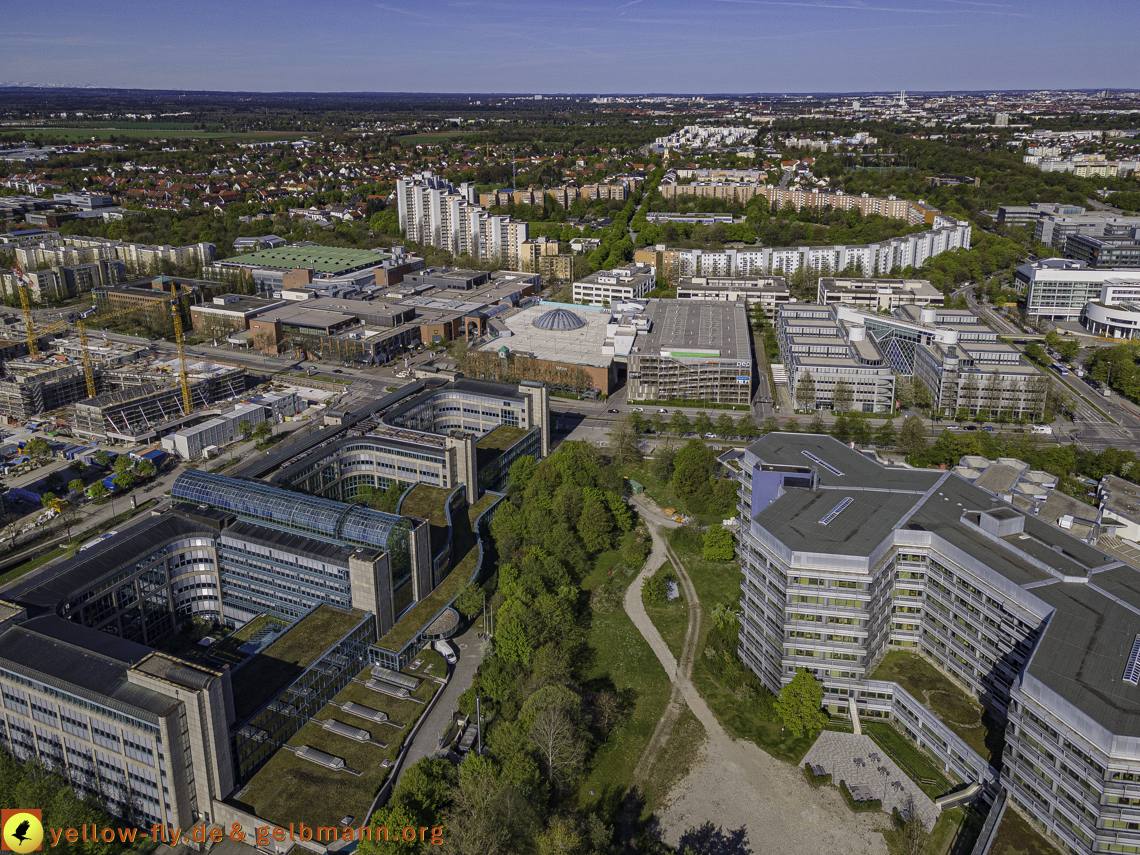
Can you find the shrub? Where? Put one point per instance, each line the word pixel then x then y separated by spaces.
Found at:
pixel 858 807
pixel 656 591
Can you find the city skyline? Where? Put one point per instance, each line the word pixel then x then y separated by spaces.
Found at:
pixel 738 46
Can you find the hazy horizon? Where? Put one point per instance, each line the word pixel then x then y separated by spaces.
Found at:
pixel 580 47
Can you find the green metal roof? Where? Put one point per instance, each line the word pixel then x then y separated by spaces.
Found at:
pixel 323 259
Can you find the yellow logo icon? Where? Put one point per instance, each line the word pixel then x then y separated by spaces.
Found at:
pixel 23 830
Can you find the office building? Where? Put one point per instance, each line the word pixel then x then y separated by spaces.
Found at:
pixel 285 266
pixel 1118 251
pixel 877 295
pixel 819 351
pixel 217 432
pixel 691 351
pixel 1055 230
pixel 768 292
pixel 229 313
pixel 445 435
pixel 141 732
pixel 843 559
pixel 605 287
pixel 1027 216
pixel 1059 289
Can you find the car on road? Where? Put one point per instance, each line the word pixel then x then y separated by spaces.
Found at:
pixel 663 411
pixel 970 427
pixel 711 436
pixel 614 410
pixel 990 428
pixel 337 371
pixel 638 410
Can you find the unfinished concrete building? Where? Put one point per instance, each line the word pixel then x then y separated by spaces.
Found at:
pixel 30 387
pixel 143 409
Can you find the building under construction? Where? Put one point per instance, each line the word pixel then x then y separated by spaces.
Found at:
pixel 148 403
pixel 30 386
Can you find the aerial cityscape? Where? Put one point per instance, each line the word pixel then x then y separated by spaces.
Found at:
pixel 570 449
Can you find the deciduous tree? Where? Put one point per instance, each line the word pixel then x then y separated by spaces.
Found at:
pixel 718 544
pixel 799 704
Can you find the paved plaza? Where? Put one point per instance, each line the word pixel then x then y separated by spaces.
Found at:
pixel 861 763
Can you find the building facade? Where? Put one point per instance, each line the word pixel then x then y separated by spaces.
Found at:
pixel 843 559
pixel 632 282
pixel 769 292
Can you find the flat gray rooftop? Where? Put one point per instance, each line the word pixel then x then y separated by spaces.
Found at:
pixel 682 326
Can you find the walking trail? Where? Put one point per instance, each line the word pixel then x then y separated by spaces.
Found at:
pixel 737 799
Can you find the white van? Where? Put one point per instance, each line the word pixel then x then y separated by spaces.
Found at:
pixel 444 650
pixel 1047 429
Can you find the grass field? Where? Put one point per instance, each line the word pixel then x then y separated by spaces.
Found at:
pixel 674 762
pixel 719 582
pixel 623 662
pixel 671 619
pixel 957 709
pixel 147 132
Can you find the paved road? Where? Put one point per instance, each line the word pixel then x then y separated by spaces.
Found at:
pixel 470 651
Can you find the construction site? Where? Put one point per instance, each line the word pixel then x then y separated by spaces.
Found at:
pixel 104 389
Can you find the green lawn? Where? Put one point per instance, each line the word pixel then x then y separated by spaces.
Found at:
pixel 952 704
pixel 1015 836
pixel 674 762
pixel 912 760
pixel 623 662
pixel 19 570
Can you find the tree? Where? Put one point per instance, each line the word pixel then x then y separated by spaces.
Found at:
pixel 798 706
pixel 657 422
pixel 861 431
pixel 97 490
pixel 769 425
pixel 245 428
pixel 746 427
pixel 637 422
pixel 38 449
pixel 625 443
pixel 555 735
pixel 692 471
pixel 388 822
pixel 904 391
pixel 805 392
pixel 912 437
pixel 922 396
pixel 124 480
pixel 470 600
pixel 679 423
pixel 262 431
pixel 726 426
pixel 885 434
pixel 75 486
pixel 596 525
pixel 123 463
pixel 561 837
pixel 842 397
pixel 102 458
pixel 718 544
pixel 146 469
pixel 49 500
pixel 702 424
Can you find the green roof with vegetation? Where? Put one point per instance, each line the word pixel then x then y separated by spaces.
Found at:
pixel 429 503
pixel 1015 836
pixel 491 445
pixel 279 664
pixel 288 789
pixel 956 708
pixel 423 612
pixel 228 649
pixel 322 259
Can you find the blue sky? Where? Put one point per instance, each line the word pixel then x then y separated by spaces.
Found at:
pixel 574 45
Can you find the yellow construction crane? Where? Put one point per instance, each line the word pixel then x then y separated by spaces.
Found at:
pixel 22 284
pixel 176 313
